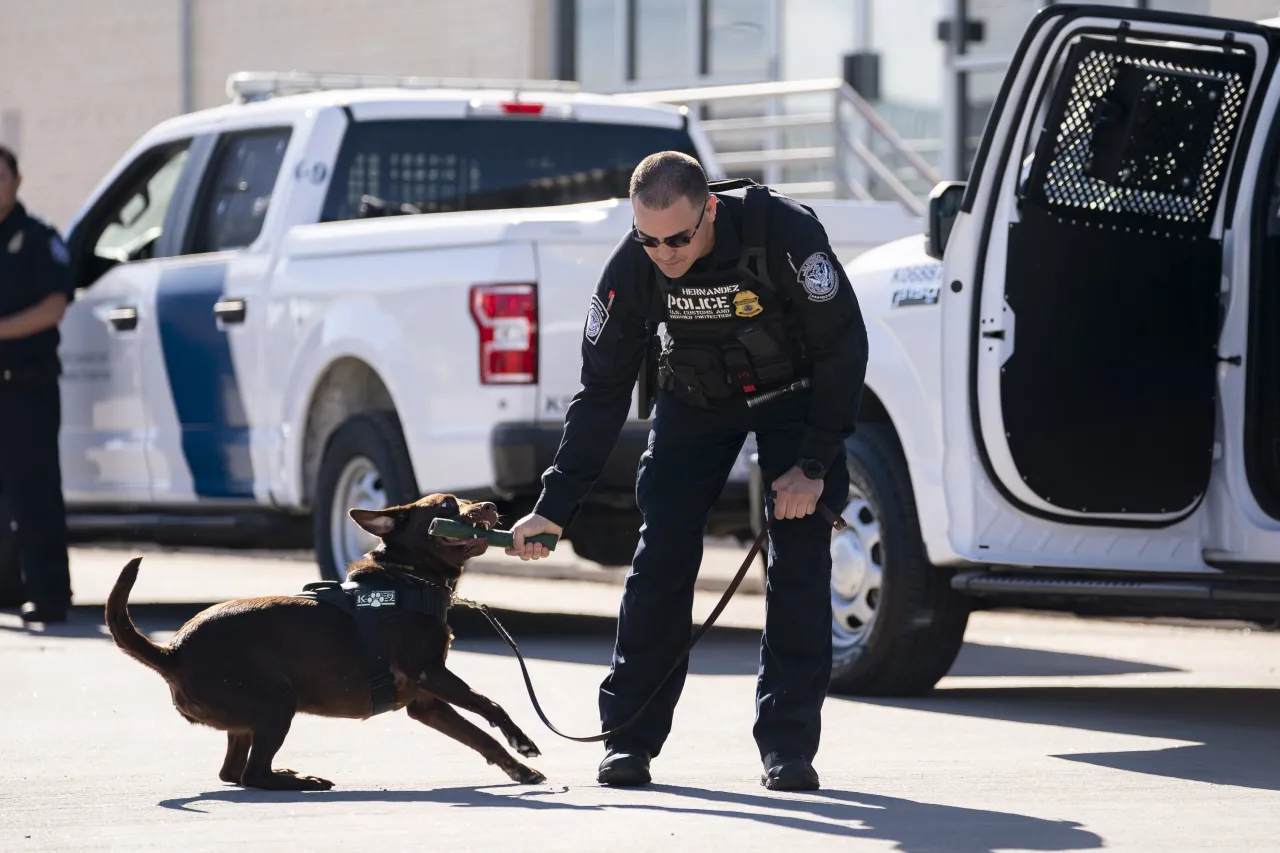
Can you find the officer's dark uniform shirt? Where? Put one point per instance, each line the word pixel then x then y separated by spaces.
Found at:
pixel 830 324
pixel 33 266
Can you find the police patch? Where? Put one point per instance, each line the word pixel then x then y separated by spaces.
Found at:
pixel 819 277
pixel 15 245
pixel 58 250
pixel 597 316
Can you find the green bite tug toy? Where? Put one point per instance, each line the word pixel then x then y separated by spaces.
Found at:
pixel 455 529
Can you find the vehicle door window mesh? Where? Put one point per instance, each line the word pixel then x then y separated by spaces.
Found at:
pixel 1140 133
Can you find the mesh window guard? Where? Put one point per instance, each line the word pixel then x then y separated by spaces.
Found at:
pixel 1140 134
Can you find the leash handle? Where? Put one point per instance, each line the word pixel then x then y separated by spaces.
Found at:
pixel 831 517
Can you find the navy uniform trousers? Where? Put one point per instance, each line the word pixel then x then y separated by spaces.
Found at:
pixel 690 455
pixel 31 482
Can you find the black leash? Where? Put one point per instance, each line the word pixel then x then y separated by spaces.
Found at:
pixel 831 517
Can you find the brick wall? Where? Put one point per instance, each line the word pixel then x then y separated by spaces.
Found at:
pixel 80 80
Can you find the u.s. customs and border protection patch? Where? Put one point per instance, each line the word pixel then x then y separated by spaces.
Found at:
pixel 746 304
pixel 597 316
pixel 818 277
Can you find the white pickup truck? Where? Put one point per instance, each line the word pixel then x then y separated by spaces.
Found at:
pixel 306 301
pixel 1073 400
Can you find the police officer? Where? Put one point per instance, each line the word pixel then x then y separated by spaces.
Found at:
pixel 753 300
pixel 35 287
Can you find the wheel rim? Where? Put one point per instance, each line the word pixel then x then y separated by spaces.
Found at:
pixel 359 487
pixel 857 574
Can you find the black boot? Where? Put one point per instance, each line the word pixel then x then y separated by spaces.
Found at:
pixel 788 773
pixel 624 767
pixel 48 614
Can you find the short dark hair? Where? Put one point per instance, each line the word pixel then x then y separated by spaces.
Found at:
pixel 662 178
pixel 9 159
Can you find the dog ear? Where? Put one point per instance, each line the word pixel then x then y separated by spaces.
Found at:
pixel 379 522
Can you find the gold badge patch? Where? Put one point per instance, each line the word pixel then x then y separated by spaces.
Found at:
pixel 746 304
pixel 15 245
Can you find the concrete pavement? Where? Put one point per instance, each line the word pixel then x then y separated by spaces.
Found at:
pixel 1050 734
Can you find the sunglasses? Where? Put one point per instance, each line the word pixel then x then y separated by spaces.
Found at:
pixel 675 241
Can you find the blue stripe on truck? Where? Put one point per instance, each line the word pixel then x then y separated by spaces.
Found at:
pixel 202 378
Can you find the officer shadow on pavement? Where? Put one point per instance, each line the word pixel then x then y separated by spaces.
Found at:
pixel 914 827
pixel 1232 731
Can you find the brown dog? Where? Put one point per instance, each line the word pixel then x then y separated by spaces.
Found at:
pixel 247 666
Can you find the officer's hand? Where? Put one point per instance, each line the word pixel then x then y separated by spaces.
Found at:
pixel 531 525
pixel 797 495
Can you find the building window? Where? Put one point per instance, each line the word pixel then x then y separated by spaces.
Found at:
pixel 739 42
pixel 600 45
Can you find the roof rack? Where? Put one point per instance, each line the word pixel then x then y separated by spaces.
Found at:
pixel 246 86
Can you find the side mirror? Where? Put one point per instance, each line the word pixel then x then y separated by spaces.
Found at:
pixel 944 207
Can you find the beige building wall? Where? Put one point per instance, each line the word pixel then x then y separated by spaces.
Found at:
pixel 81 80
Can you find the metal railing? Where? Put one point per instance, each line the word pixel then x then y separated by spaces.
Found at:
pixel 846 151
pixel 847 164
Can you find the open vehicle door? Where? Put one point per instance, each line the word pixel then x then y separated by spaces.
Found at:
pixel 1083 281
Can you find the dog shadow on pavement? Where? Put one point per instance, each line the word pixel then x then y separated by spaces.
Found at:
pixel 915 827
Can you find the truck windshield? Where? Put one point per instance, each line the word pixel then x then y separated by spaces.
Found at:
pixel 439 165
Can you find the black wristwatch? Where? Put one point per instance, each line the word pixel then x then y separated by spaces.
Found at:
pixel 812 468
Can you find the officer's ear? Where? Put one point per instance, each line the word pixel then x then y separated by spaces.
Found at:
pixel 379 522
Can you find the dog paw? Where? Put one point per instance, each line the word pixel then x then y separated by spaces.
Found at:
pixel 520 742
pixel 294 781
pixel 315 783
pixel 526 775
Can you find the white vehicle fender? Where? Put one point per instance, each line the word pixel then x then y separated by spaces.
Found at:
pixel 347 332
pixel 897 288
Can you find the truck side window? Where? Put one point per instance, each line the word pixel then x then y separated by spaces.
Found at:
pixel 128 220
pixel 237 192
pixel 401 166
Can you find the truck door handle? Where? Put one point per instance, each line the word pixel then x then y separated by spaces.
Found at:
pixel 124 318
pixel 229 310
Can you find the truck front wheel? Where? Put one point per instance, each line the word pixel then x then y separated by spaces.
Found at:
pixel 896 623
pixel 366 466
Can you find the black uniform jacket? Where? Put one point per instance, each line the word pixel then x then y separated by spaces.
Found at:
pixel 33 266
pixel 800 261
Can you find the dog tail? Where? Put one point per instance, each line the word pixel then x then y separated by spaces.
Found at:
pixel 130 640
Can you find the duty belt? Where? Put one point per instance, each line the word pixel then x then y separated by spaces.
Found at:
pixel 369 605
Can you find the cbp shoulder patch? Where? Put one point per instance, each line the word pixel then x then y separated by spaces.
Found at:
pixel 819 277
pixel 597 316
pixel 58 250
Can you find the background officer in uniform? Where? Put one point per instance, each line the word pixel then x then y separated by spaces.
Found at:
pixel 35 288
pixel 753 299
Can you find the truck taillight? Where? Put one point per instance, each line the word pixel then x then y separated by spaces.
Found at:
pixel 507 317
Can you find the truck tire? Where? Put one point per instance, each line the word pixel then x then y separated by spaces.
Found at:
pixel 366 465
pixel 896 623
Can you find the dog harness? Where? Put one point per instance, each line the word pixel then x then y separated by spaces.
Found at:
pixel 369 605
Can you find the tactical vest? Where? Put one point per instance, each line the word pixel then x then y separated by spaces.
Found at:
pixel 730 332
